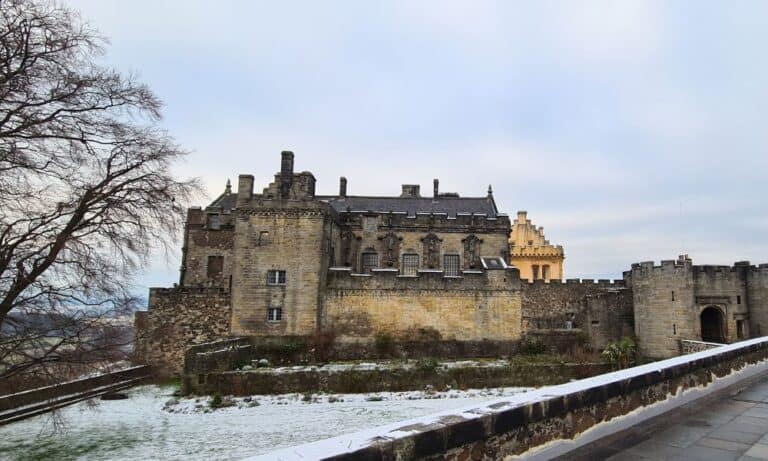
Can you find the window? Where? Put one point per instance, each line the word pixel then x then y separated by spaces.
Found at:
pixel 215 266
pixel 370 261
pixel 263 238
pixel 410 264
pixel 535 270
pixel 673 295
pixel 545 272
pixel 738 299
pixel 275 277
pixel 451 265
pixel 274 314
pixel 214 221
pixel 530 243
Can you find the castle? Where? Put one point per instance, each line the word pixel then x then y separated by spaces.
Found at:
pixel 440 272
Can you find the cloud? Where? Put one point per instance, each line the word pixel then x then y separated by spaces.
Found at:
pixel 630 130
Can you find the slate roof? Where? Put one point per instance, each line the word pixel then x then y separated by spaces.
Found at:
pixel 412 205
pixel 225 201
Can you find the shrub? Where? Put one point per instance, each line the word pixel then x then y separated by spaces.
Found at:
pixel 216 401
pixel 620 354
pixel 385 344
pixel 427 364
pixel 533 346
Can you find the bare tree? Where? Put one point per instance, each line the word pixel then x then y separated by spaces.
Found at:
pixel 86 190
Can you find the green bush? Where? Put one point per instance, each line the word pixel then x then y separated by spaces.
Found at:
pixel 534 346
pixel 427 364
pixel 216 400
pixel 620 354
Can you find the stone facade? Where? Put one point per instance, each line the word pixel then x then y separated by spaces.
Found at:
pixel 287 262
pixel 477 306
pixel 532 253
pixel 679 301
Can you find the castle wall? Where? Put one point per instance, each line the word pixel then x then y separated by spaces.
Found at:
pixel 757 299
pixel 602 309
pixel 281 236
pixel 177 319
pixel 478 306
pixel 660 321
pixel 202 242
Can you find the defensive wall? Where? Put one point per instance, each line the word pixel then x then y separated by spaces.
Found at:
pixel 679 301
pixel 176 319
pixel 600 309
pixel 550 421
pixel 479 305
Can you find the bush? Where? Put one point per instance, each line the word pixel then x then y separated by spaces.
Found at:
pixel 216 401
pixel 427 364
pixel 385 344
pixel 322 343
pixel 620 354
pixel 534 346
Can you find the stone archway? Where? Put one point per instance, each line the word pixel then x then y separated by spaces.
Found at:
pixel 712 325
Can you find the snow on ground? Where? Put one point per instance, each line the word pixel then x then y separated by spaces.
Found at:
pixel 152 424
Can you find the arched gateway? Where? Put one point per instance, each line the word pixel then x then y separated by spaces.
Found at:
pixel 712 325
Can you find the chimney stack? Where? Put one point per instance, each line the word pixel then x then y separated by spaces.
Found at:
pixel 244 189
pixel 342 186
pixel 436 187
pixel 286 173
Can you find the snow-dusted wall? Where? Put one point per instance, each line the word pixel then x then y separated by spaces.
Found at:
pixel 558 416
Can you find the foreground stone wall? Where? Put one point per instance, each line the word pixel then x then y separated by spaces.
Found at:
pixel 389 377
pixel 176 319
pixel 515 425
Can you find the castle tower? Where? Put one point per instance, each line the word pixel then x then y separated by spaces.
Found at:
pixel 532 253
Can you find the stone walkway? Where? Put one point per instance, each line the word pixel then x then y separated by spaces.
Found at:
pixel 735 427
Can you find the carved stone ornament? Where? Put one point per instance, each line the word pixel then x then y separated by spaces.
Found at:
pixel 349 248
pixel 390 243
pixel 431 251
pixel 472 251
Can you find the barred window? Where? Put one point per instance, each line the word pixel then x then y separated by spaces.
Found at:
pixel 370 261
pixel 275 277
pixel 451 265
pixel 410 264
pixel 274 314
pixel 214 221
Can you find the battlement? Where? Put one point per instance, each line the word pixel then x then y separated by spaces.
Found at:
pixel 589 283
pixel 425 279
pixel 684 264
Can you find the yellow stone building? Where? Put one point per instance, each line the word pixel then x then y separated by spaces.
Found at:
pixel 532 253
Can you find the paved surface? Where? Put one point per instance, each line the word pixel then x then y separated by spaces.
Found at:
pixel 733 427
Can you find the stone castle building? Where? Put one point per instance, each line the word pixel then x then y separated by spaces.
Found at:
pixel 436 272
pixel 531 253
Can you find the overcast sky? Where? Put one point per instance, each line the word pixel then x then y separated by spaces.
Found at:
pixel 631 131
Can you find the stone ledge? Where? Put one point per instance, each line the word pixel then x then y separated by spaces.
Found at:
pixel 512 426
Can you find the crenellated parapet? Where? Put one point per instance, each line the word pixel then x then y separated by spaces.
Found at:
pixel 343 278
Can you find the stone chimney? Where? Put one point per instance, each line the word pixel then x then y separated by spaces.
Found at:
pixel 435 187
pixel 286 173
pixel 411 190
pixel 244 189
pixel 342 186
